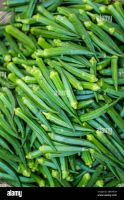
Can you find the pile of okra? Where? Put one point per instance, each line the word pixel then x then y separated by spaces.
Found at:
pixel 62 93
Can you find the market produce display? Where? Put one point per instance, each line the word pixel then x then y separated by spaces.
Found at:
pixel 62 93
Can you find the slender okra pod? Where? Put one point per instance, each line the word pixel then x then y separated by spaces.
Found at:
pixel 59 51
pixel 62 20
pixel 74 141
pixel 96 113
pixel 69 92
pixel 118 17
pixel 114 68
pixel 12 67
pixel 103 36
pixel 59 86
pixel 113 30
pixel 82 32
pixel 119 7
pixel 36 127
pixel 79 73
pixel 44 12
pixel 29 13
pixel 29 92
pixel 101 44
pixel 20 36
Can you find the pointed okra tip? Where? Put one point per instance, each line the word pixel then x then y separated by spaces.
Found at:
pixel 47 115
pixel 51 135
pixel 45 127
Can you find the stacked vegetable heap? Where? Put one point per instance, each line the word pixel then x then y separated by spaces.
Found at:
pixel 62 94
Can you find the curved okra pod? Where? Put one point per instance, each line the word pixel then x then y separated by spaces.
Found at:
pixel 69 92
pixel 97 112
pixel 35 111
pixel 103 36
pixel 54 76
pixel 79 73
pixel 41 135
pixel 59 51
pixel 79 27
pixel 29 92
pixel 101 44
